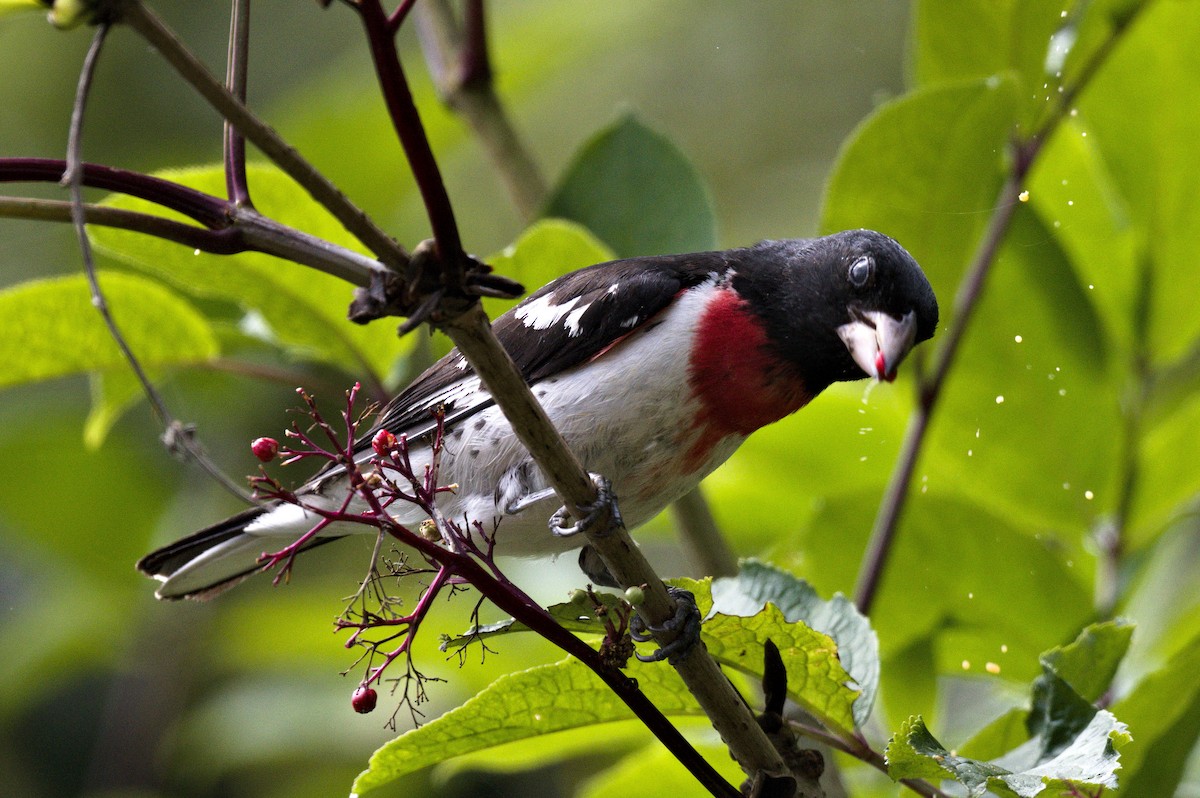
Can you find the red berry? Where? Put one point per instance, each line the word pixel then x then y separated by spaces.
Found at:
pixel 363 700
pixel 383 442
pixel 265 449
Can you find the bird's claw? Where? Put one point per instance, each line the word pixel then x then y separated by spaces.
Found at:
pixel 600 511
pixel 685 624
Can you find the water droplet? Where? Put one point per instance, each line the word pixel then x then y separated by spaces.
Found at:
pixel 1061 43
pixel 1087 494
pixel 1004 648
pixel 992 668
pixel 1062 391
pixel 999 400
pixel 1018 338
pixel 970 452
pixel 1070 202
pixel 970 595
pixel 1023 196
pixel 1066 486
pixel 196 252
pixel 966 664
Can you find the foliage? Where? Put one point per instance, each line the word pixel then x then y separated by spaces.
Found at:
pixel 1053 488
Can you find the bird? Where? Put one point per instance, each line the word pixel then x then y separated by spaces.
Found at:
pixel 654 369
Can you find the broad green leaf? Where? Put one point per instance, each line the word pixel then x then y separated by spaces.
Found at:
pixel 957 39
pixel 1089 762
pixel 1089 662
pixel 576 616
pixel 925 169
pixel 1149 146
pixel 295 307
pixel 857 645
pixel 816 679
pixel 50 328
pixel 1074 195
pixel 518 706
pixel 547 249
pixel 9 6
pixel 1071 743
pixel 1036 352
pixel 634 189
pixel 656 766
pixel 1163 714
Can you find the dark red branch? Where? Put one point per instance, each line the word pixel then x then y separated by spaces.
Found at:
pixel 407 122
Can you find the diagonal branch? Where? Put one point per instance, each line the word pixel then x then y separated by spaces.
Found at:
pixel 236 78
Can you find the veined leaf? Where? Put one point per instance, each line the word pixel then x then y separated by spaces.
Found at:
pixel 634 189
pixel 50 329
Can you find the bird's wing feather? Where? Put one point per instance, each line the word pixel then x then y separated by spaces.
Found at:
pixel 567 322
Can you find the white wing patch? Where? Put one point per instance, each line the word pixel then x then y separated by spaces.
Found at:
pixel 542 313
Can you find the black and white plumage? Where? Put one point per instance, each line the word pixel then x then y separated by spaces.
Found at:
pixel 654 369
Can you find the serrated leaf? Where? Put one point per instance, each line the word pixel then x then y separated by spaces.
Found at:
pixel 1071 744
pixel 298 308
pixel 633 188
pixel 575 616
pixel 519 706
pixel 816 679
pixel 857 644
pixel 49 328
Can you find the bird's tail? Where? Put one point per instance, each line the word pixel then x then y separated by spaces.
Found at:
pixel 210 561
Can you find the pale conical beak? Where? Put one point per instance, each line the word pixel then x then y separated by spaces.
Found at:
pixel 878 342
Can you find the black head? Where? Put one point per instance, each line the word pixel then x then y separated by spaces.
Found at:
pixel 843 307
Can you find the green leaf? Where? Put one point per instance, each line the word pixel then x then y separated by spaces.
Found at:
pixel 1089 663
pixel 1089 762
pixel 1164 714
pixel 576 616
pixel 654 765
pixel 9 6
pixel 295 307
pixel 758 583
pixel 519 706
pixel 50 329
pixel 1071 743
pixel 546 249
pixel 634 189
pixel 925 169
pixel 815 678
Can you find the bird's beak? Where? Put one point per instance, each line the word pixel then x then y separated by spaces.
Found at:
pixel 878 342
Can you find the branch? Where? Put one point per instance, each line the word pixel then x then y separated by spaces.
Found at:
pixel 236 78
pixel 146 23
pixel 970 291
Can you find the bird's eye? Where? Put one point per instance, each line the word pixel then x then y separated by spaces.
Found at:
pixel 860 271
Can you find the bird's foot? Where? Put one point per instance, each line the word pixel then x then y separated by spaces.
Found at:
pixel 596 516
pixel 685 625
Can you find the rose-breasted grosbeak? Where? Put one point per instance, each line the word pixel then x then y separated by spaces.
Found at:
pixel 654 369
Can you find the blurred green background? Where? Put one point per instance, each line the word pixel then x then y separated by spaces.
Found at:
pixel 108 692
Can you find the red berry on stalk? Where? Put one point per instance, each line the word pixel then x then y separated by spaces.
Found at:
pixel 383 442
pixel 265 449
pixel 363 700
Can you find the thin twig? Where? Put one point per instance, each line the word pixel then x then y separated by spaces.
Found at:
pixel 236 78
pixel 931 383
pixel 402 110
pixel 178 437
pixel 355 220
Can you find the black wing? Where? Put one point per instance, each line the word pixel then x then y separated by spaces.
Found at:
pixel 566 322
